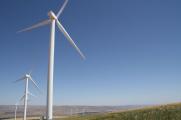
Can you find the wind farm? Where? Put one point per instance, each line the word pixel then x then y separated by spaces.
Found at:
pixel 53 19
pixel 26 78
pixel 127 66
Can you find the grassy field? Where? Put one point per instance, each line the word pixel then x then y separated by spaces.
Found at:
pixel 165 112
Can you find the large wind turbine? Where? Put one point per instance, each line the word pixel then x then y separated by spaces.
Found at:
pixel 53 20
pixel 26 78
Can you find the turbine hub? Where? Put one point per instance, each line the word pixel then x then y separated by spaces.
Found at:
pixel 27 76
pixel 52 15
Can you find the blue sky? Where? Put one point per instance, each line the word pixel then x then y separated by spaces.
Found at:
pixel 132 49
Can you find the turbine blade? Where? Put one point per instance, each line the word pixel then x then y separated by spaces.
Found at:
pixel 35 83
pixel 40 24
pixel 30 72
pixel 17 103
pixel 31 94
pixel 62 8
pixel 22 98
pixel 62 29
pixel 22 78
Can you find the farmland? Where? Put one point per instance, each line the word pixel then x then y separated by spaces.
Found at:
pixel 7 111
pixel 164 112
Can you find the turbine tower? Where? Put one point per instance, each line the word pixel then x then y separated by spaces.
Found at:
pixel 53 20
pixel 15 111
pixel 26 78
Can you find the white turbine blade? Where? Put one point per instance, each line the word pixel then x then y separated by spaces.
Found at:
pixel 43 23
pixel 62 8
pixel 19 79
pixel 16 106
pixel 30 72
pixel 17 103
pixel 34 83
pixel 31 94
pixel 22 98
pixel 62 29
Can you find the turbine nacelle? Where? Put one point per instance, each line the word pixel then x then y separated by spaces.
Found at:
pixel 27 76
pixel 52 15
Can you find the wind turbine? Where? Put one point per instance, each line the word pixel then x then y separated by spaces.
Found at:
pixel 16 106
pixel 26 78
pixel 53 20
pixel 15 111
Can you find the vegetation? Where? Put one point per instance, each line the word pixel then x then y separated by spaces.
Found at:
pixel 166 112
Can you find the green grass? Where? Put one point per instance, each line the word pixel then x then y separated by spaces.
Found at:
pixel 166 112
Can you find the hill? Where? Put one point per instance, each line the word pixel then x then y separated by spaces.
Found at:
pixel 7 111
pixel 164 112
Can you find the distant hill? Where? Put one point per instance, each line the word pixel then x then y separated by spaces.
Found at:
pixel 7 111
pixel 164 112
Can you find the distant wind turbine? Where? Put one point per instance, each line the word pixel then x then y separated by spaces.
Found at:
pixel 16 106
pixel 26 78
pixel 53 19
pixel 15 111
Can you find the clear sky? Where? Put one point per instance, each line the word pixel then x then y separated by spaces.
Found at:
pixel 132 48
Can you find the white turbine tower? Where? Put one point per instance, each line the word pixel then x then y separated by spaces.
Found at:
pixel 53 19
pixel 26 78
pixel 15 111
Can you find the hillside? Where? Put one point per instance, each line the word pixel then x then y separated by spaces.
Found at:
pixel 165 112
pixel 7 111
